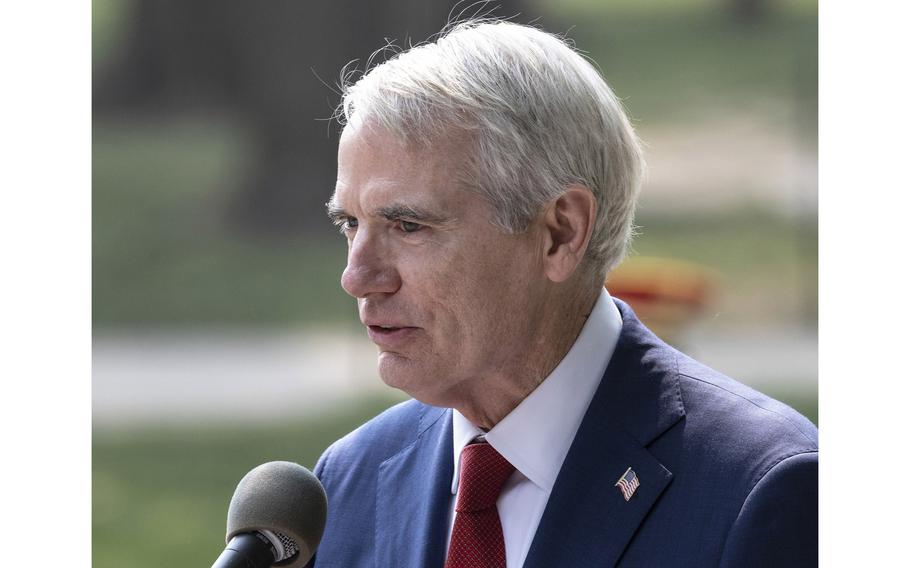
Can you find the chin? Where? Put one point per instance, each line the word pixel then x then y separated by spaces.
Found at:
pixel 415 380
pixel 398 372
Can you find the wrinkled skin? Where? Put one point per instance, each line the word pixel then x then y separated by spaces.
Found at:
pixel 468 309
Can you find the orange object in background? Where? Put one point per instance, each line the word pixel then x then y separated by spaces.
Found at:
pixel 666 294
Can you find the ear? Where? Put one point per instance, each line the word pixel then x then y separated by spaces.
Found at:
pixel 568 223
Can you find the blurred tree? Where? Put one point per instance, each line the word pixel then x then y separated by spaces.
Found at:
pixel 266 63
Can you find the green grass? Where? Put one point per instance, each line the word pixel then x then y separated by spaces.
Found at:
pixel 160 496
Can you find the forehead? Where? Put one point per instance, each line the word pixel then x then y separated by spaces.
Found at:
pixel 375 167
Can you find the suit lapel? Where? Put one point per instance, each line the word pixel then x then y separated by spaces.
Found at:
pixel 587 522
pixel 413 496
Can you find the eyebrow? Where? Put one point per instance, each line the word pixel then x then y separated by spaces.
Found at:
pixel 393 212
pixel 335 211
pixel 401 211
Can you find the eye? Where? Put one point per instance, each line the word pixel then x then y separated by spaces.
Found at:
pixel 409 226
pixel 346 224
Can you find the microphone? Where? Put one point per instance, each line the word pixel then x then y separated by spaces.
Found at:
pixel 276 518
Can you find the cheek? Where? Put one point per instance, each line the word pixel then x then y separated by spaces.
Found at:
pixel 449 291
pixel 478 293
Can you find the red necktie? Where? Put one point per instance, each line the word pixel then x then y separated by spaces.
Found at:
pixel 477 534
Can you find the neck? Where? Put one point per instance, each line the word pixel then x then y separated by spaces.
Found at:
pixel 555 328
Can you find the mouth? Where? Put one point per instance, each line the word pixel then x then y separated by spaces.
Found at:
pixel 388 336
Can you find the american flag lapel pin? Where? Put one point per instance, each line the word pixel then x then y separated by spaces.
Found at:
pixel 628 483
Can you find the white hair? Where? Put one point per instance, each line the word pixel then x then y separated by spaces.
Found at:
pixel 539 114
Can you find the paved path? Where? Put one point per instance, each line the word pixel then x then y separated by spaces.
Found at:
pixel 141 377
pixel 174 377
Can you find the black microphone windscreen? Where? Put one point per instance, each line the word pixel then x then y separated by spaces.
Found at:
pixel 284 498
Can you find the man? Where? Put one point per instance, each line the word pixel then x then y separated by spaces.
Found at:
pixel 486 185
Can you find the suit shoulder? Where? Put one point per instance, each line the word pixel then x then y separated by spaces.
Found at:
pixel 710 390
pixel 767 534
pixel 384 435
pixel 736 426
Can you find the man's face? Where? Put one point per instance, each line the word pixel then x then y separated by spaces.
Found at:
pixel 448 298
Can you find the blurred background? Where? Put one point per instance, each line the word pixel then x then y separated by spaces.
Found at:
pixel 221 336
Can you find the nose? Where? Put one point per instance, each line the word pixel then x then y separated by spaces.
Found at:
pixel 370 269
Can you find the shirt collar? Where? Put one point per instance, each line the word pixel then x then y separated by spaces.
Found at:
pixel 536 436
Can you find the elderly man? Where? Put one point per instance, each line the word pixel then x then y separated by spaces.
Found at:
pixel 486 185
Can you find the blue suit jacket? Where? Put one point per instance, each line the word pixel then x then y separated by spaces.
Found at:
pixel 729 477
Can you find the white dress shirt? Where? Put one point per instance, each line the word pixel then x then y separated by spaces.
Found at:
pixel 535 437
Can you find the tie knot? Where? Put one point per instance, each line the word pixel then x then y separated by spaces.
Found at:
pixel 483 473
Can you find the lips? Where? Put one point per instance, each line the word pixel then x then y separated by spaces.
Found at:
pixel 390 336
